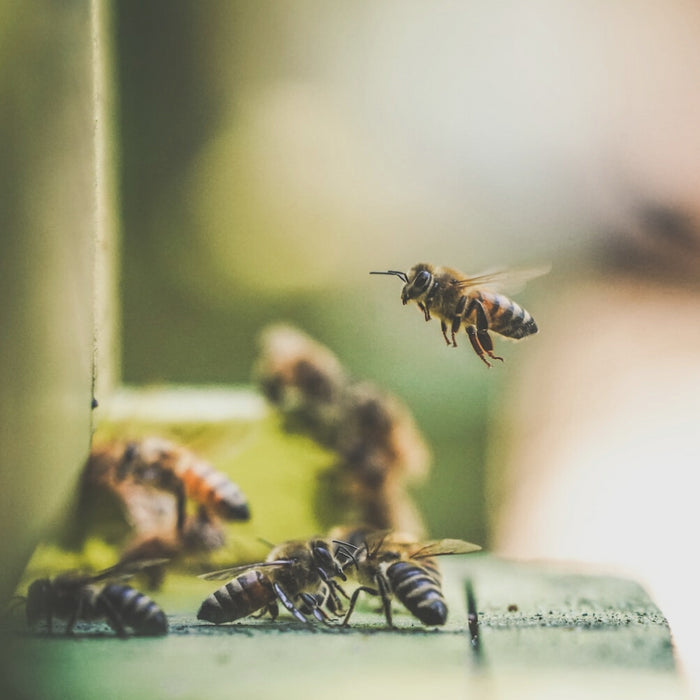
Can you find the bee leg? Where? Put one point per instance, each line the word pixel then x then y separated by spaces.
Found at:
pixel 425 310
pixel 114 619
pixel 287 602
pixel 75 616
pixel 443 327
pixel 456 324
pixel 271 608
pixel 353 601
pixel 386 600
pixel 314 609
pixel 181 504
pixel 482 330
pixel 471 332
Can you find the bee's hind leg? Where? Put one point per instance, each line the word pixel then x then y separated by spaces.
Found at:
pixel 479 335
pixel 471 332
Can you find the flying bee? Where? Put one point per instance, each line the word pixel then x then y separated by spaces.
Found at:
pixel 72 596
pixel 395 564
pixel 457 300
pixel 298 574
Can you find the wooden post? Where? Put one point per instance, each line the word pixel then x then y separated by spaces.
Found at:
pixel 56 194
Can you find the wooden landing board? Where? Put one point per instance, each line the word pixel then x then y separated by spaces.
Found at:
pixel 544 631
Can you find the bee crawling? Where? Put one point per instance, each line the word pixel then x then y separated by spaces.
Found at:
pixel 392 564
pixel 298 574
pixel 72 596
pixel 457 300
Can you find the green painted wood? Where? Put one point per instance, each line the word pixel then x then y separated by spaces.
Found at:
pixel 572 635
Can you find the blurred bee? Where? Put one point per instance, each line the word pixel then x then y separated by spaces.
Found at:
pixel 395 564
pixel 457 300
pixel 149 483
pixel 303 379
pixel 298 574
pixel 72 596
pixel 168 467
pixel 378 445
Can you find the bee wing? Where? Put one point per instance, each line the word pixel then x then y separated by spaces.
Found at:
pixel 230 572
pixel 435 548
pixel 123 569
pixel 510 279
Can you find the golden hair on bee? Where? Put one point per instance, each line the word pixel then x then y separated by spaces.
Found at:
pixel 460 300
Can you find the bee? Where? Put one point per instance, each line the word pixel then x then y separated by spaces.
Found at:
pixel 395 564
pixel 377 443
pixel 457 300
pixel 298 574
pixel 165 466
pixel 72 596
pixel 304 379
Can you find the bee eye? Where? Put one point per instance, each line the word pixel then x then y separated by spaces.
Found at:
pixel 422 280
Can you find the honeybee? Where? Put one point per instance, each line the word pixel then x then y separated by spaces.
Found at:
pixel 72 596
pixel 304 379
pixel 379 448
pixel 298 574
pixel 395 564
pixel 457 300
pixel 143 488
pixel 165 466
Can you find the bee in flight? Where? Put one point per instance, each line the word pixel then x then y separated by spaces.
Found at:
pixel 457 300
pixel 72 596
pixel 393 564
pixel 299 574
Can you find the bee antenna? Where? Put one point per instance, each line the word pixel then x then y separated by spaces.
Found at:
pixel 401 275
pixel 347 549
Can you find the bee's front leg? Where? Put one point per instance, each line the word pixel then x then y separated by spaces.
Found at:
pixel 425 310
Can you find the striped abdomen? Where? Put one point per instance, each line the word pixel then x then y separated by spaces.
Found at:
pixel 131 609
pixel 239 598
pixel 213 489
pixel 506 317
pixel 417 586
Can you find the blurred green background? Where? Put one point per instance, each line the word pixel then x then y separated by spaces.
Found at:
pixel 270 158
pixel 269 155
pixel 272 154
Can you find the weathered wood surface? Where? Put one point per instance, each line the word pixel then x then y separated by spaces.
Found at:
pixel 572 635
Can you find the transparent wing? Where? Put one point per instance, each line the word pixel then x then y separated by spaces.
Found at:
pixel 222 574
pixel 123 569
pixel 435 548
pixel 504 279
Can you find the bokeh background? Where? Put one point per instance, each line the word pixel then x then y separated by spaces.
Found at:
pixel 272 154
pixel 269 155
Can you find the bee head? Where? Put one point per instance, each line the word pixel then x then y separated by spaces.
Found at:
pixel 418 282
pixel 325 561
pixel 38 596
